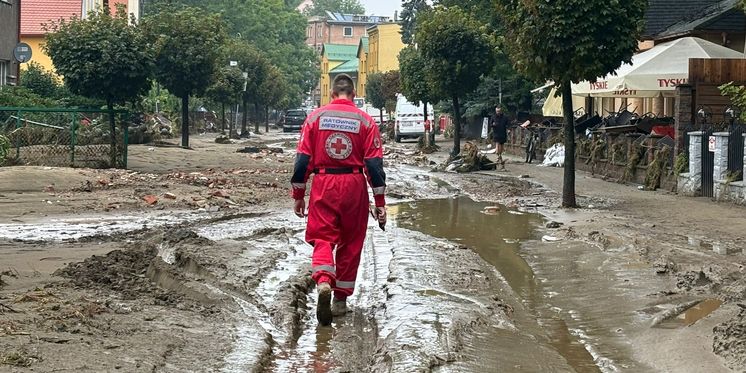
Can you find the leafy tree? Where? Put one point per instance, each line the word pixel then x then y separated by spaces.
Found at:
pixel 186 43
pixel 414 78
pixel 273 92
pixel 571 41
pixel 391 88
pixel 320 7
pixel 103 57
pixel 40 81
pixel 410 10
pixel 374 92
pixel 226 90
pixel 256 65
pixel 458 52
pixel 271 26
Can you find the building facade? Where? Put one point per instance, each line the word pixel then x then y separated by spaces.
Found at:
pixel 10 20
pixel 722 22
pixel 337 28
pixel 132 6
pixel 384 46
pixel 336 59
pixel 362 70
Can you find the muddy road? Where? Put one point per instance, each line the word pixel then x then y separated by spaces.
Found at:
pixel 476 273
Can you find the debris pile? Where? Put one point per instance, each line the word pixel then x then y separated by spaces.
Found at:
pixel 470 160
pixel 555 156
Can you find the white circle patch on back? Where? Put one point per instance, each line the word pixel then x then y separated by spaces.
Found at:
pixel 339 146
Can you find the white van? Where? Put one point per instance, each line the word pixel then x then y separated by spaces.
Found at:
pixel 410 120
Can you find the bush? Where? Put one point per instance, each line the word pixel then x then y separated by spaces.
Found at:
pixel 41 81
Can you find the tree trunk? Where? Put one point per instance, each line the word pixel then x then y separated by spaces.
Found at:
pixel 256 117
pixel 245 118
pixel 456 127
pixel 568 188
pixel 233 122
pixel 266 119
pixel 185 121
pixel 113 132
pixel 222 119
pixel 380 111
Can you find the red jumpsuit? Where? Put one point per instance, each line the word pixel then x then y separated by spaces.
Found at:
pixel 342 146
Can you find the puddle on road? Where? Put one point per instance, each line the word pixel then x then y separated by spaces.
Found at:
pixel 690 317
pixel 496 236
pixel 90 226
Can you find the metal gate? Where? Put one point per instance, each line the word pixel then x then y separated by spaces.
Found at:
pixel 708 165
pixel 735 150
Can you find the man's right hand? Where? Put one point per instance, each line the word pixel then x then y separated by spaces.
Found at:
pixel 381 216
pixel 300 208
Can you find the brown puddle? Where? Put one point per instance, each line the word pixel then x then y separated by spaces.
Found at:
pixel 692 315
pixel 496 233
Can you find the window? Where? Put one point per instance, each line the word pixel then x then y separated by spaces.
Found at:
pixel 348 32
pixel 4 66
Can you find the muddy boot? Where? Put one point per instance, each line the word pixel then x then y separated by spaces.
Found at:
pixel 323 307
pixel 339 307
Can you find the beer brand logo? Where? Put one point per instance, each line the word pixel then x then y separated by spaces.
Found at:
pixel 339 146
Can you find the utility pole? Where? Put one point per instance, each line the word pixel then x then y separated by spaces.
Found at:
pixel 500 94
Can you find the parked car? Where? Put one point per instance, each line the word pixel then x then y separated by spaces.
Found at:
pixel 293 120
pixel 410 121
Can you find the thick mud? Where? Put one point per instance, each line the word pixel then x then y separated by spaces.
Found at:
pixel 452 285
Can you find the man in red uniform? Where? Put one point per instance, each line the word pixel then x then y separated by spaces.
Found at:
pixel 341 145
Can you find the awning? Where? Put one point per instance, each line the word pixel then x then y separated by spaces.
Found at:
pixel 553 105
pixel 656 71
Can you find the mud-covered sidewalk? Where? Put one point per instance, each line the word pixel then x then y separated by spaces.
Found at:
pixel 192 261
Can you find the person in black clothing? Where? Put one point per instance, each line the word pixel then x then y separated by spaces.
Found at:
pixel 499 124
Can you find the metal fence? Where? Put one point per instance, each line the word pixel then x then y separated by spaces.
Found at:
pixel 62 137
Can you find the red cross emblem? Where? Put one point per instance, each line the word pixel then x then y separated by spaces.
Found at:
pixel 338 146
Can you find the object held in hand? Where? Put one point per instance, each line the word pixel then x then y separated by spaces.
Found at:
pixel 374 214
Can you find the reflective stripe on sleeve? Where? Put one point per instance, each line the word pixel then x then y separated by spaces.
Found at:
pixel 299 186
pixel 379 190
pixel 345 284
pixel 329 269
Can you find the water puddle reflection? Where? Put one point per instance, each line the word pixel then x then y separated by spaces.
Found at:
pixel 496 233
pixel 692 315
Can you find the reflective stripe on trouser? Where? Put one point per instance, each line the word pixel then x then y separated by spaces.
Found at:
pixel 337 225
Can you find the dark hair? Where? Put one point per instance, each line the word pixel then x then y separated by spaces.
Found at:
pixel 343 84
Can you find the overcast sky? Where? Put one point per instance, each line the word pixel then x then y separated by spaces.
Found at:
pixel 382 7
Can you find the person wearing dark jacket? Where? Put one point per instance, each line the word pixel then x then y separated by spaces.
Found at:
pixel 499 125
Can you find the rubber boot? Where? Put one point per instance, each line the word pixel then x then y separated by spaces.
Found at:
pixel 323 306
pixel 339 307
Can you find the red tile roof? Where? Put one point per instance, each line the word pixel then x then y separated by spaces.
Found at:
pixel 34 13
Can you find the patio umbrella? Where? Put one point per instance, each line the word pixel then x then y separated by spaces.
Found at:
pixel 656 71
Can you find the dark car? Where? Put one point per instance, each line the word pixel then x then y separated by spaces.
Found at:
pixel 293 120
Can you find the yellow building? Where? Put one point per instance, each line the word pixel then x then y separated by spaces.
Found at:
pixel 362 72
pixel 384 47
pixel 332 57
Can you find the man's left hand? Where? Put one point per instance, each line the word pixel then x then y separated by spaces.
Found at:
pixel 300 208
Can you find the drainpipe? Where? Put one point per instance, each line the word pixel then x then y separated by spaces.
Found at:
pixel 18 40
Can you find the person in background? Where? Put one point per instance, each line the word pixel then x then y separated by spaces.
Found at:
pixel 499 125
